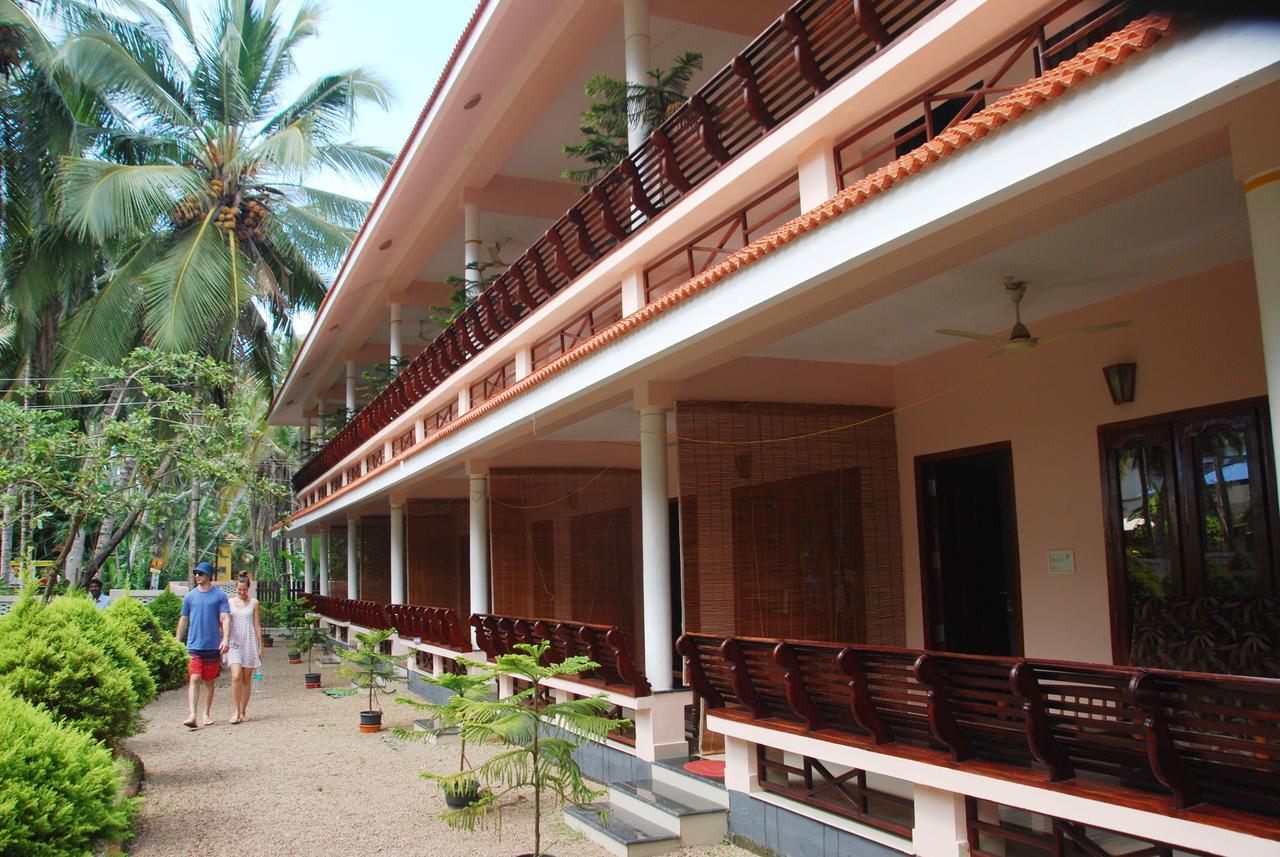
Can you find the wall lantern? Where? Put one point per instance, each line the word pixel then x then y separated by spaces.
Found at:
pixel 1121 381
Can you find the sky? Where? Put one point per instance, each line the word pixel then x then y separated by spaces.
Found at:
pixel 405 42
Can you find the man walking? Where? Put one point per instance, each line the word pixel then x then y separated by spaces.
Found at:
pixel 207 612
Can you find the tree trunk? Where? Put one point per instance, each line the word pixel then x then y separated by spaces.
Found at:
pixel 75 554
pixel 6 534
pixel 192 527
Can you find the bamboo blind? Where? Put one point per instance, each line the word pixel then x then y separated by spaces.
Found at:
pixel 437 554
pixel 799 538
pixel 338 560
pixel 375 558
pixel 566 545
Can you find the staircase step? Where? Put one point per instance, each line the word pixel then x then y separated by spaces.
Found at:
pixel 696 820
pixel 621 833
pixel 672 772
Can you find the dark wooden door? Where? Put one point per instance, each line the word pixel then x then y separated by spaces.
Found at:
pixel 969 552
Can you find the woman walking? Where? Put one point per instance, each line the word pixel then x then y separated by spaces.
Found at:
pixel 244 654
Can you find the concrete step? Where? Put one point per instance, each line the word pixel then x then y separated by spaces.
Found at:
pixel 672 772
pixel 696 820
pixel 621 832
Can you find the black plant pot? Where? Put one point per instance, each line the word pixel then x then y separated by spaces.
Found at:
pixel 267 642
pixel 460 799
pixel 370 721
pixel 311 679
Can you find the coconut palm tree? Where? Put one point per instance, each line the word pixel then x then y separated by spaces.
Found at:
pixel 217 237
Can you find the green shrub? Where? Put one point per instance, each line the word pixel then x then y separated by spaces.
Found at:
pixel 164 655
pixel 55 667
pixel 59 790
pixel 89 619
pixel 166 607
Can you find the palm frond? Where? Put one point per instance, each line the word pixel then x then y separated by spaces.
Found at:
pixel 102 199
pixel 189 292
pixel 331 102
pixel 135 67
pixel 364 163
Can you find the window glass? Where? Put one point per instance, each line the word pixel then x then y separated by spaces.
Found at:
pixel 1144 513
pixel 1228 540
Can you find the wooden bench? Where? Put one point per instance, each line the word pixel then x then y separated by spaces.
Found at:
pixel 436 625
pixel 604 644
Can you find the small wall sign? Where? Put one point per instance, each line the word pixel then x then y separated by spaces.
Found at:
pixel 1062 561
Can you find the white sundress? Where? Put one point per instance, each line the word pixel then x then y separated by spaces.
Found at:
pixel 243 646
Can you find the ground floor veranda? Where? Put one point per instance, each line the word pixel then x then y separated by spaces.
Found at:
pixel 927 596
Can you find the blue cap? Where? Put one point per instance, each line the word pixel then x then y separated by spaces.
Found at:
pixel 204 568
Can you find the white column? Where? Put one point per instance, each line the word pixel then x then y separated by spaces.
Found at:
pixel 1262 202
pixel 397 322
pixel 633 297
pixel 524 363
pixel 471 247
pixel 351 387
pixel 397 555
pixel 353 546
pixel 319 416
pixel 306 563
pixel 324 561
pixel 941 827
pixel 306 434
pixel 656 547
pixel 479 494
pixel 635 30
pixel 817 173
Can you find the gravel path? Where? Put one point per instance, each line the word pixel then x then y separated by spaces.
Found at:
pixel 298 778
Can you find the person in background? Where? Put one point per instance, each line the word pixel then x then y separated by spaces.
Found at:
pixel 95 594
pixel 244 656
pixel 207 612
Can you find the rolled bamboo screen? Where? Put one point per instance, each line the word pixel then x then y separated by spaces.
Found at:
pixel 436 554
pixel 566 545
pixel 799 538
pixel 338 560
pixel 375 558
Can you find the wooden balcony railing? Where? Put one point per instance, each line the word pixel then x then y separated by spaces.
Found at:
pixel 436 625
pixel 604 644
pixel 811 46
pixel 1156 739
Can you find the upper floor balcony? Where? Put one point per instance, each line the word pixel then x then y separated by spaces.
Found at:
pixel 621 244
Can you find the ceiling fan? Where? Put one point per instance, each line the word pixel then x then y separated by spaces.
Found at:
pixel 1020 338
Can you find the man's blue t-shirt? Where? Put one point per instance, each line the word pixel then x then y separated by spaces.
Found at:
pixel 203 611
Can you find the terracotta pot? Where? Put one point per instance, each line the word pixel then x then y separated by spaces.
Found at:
pixel 312 679
pixel 370 721
pixel 295 660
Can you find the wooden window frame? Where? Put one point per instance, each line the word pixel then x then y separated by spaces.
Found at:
pixel 1178 429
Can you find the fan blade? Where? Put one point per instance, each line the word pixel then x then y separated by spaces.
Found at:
pixel 1081 331
pixel 966 334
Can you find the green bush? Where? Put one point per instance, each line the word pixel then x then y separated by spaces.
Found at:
pixel 164 655
pixel 55 667
pixel 59 790
pixel 166 607
pixel 89 619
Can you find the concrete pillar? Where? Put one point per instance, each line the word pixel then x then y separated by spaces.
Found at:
pixel 320 417
pixel 524 363
pixel 419 430
pixel 351 387
pixel 397 322
pixel 324 561
pixel 656 547
pixel 1256 165
pixel 353 556
pixel 471 247
pixel 635 34
pixel 633 297
pixel 398 588
pixel 464 400
pixel 306 437
pixel 817 175
pixel 306 563
pixel 479 530
pixel 940 823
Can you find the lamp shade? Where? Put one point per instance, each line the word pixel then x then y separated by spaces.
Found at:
pixel 1122 380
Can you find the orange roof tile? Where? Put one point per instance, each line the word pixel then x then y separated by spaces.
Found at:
pixel 1112 50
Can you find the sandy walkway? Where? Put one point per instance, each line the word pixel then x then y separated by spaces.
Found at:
pixel 299 779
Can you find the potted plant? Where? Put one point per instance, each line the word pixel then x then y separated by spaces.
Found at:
pixel 369 668
pixel 463 789
pixel 305 639
pixel 267 615
pixel 540 738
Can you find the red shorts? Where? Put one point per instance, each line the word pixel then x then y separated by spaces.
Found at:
pixel 207 665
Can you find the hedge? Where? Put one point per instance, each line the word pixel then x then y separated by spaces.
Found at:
pixel 59 789
pixel 164 655
pixel 89 619
pixel 166 607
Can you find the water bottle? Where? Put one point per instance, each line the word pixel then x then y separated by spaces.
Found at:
pixel 257 681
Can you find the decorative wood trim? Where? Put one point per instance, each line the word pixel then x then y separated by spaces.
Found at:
pixel 558 252
pixel 670 164
pixel 607 217
pixel 740 677
pixel 751 97
pixel 626 667
pixel 695 674
pixel 797 693
pixel 1162 755
pixel 942 720
pixel 591 647
pixel 708 133
pixel 802 52
pixel 627 168
pixel 1044 746
pixel 583 235
pixel 540 276
pixel 868 18
pixel 522 288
